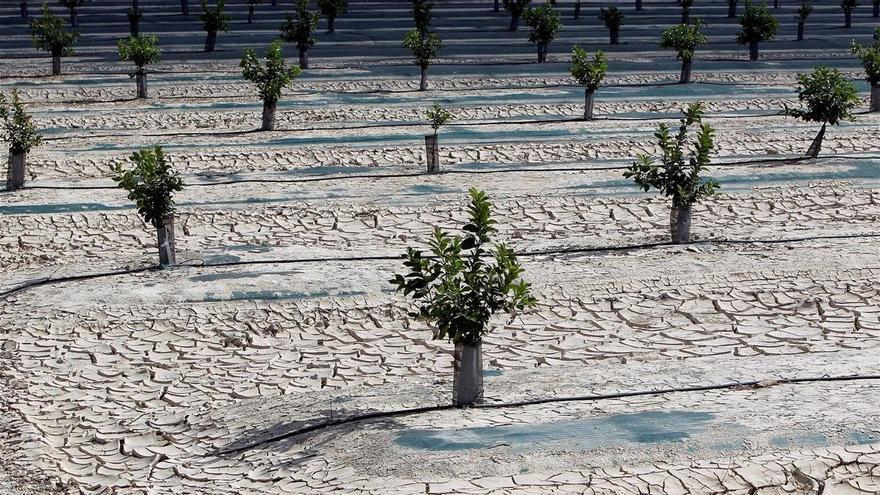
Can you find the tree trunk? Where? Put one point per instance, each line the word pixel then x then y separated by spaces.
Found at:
pixel 269 107
pixel 615 35
pixel 589 96
pixel 847 20
pixel 184 7
pixel 497 6
pixel 15 170
pixel 467 365
pixel 24 9
pixel 638 4
pixel 685 77
pixel 165 235
pixel 210 41
pixel 134 25
pixel 141 78
pixel 432 153
pixel 577 10
pixel 800 31
pixel 423 83
pixel 876 8
pixel 680 224
pixel 753 50
pixel 514 22
pixel 74 18
pixel 731 9
pixel 542 53
pixel 816 145
pixel 250 14
pixel 331 25
pixel 775 4
pixel 685 16
pixel 56 65
pixel 875 98
pixel 303 58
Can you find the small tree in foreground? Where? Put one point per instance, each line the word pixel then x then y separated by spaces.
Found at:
pixel 758 25
pixel 72 6
pixel 545 24
pixel 331 9
pixel 437 117
pixel 516 8
pixel 142 50
pixel 213 19
pixel 459 290
pixel 589 74
pixel 848 6
pixel 678 175
pixel 48 34
pixel 300 29
pixel 829 97
pixel 612 17
pixel 803 12
pixel 21 134
pixel 151 184
pixel 684 39
pixel 270 79
pixel 870 58
pixel 424 47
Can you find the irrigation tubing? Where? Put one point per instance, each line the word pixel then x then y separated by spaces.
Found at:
pixel 524 254
pixel 548 400
pixel 333 178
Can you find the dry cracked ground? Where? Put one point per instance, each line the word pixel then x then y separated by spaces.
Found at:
pixel 743 363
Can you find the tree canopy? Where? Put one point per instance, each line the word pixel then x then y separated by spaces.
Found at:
pixel 300 28
pixel 19 129
pixel 151 184
pixel 684 39
pixel 544 22
pixel 424 46
pixel 48 33
pixel 758 24
pixel 271 78
pixel 142 50
pixel 827 96
pixel 587 72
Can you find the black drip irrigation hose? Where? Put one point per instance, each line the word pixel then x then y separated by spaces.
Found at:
pixel 549 400
pixel 525 254
pixel 332 178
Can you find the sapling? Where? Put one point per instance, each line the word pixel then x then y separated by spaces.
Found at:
pixel 142 50
pixel 803 12
pixel 213 19
pixel 612 17
pixel 331 9
pixel 758 25
pixel 848 6
pixel 437 117
pixel 151 184
pixel 678 175
pixel 460 287
pixel 299 29
pixel 424 47
pixel 270 79
pixel 422 13
pixel 516 8
pixel 828 97
pixel 72 6
pixel 48 34
pixel 684 39
pixel 20 132
pixel 870 58
pixel 589 74
pixel 252 5
pixel 545 25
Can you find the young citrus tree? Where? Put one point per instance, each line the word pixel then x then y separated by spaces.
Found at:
pixel 516 8
pixel 20 132
pixel 213 19
pixel 142 50
pixel 151 184
pixel 422 13
pixel 545 25
pixel 678 175
pixel 437 117
pixel 424 47
pixel 684 39
pixel 331 9
pixel 612 17
pixel 589 74
pixel 848 6
pixel 758 25
pixel 48 34
pixel 72 6
pixel 461 287
pixel 270 79
pixel 252 5
pixel 803 12
pixel 828 97
pixel 300 29
pixel 870 58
